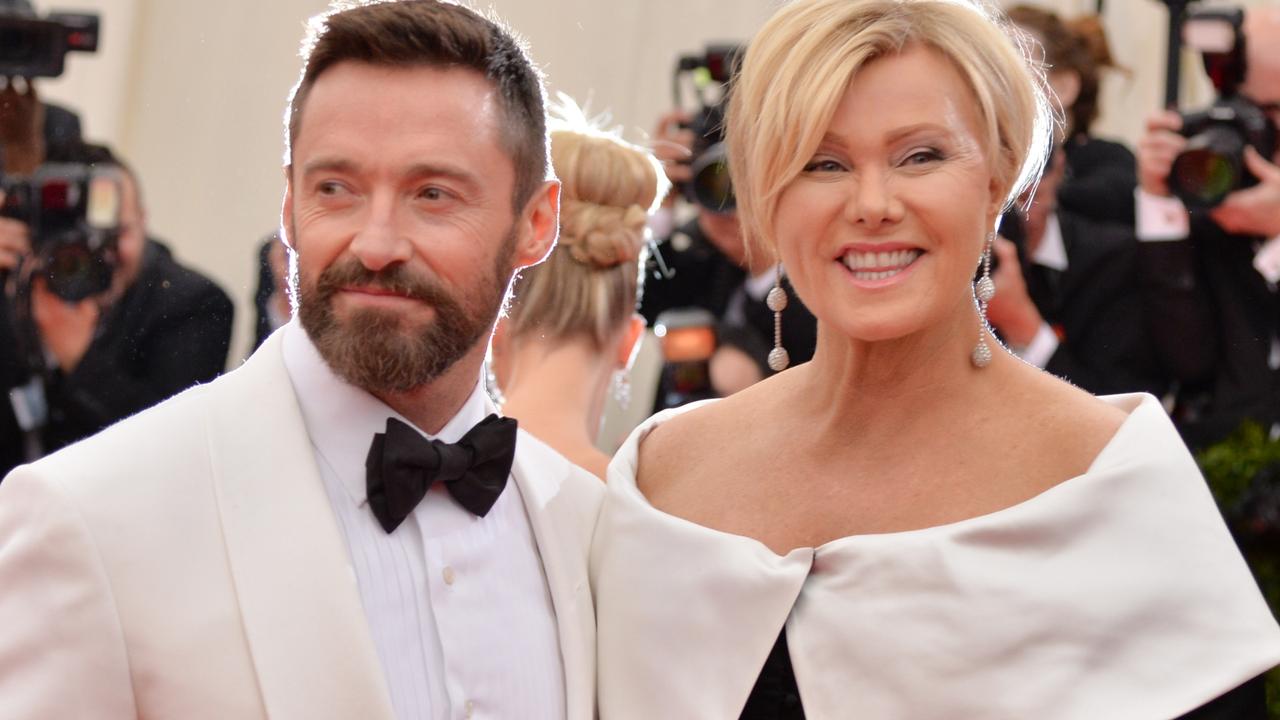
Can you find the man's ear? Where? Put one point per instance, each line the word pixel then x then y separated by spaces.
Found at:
pixel 286 211
pixel 539 225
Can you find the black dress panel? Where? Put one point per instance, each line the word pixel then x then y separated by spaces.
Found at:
pixel 777 697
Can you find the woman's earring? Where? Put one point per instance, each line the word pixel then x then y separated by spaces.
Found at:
pixel 491 384
pixel 620 388
pixel 984 290
pixel 777 302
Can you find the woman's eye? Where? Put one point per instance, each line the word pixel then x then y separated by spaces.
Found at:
pixel 921 157
pixel 822 166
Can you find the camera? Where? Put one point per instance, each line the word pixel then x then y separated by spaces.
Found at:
pixel 73 212
pixel 31 46
pixel 688 340
pixel 712 70
pixel 1212 165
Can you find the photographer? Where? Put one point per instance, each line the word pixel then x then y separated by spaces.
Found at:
pixel 706 265
pixel 1210 276
pixel 1066 298
pixel 158 329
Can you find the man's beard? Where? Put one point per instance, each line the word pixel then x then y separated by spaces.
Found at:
pixel 370 348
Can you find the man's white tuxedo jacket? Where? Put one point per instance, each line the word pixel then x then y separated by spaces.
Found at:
pixel 185 563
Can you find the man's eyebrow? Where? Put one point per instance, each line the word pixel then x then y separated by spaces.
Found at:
pixel 327 165
pixel 452 172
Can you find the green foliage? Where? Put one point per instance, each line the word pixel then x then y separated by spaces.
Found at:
pixel 1230 467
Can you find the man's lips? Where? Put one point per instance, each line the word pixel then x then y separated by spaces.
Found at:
pixel 378 296
pixel 375 292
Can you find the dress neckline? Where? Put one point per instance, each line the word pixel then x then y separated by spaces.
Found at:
pixel 622 479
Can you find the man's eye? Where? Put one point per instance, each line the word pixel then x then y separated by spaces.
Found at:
pixel 329 188
pixel 432 193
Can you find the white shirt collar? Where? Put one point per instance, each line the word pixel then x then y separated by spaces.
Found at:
pixel 342 419
pixel 1052 252
pixel 758 286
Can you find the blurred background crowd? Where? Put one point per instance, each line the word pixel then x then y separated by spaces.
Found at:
pixel 142 182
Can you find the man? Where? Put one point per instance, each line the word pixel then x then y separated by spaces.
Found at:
pixel 1067 298
pixel 253 567
pixel 158 330
pixel 1211 279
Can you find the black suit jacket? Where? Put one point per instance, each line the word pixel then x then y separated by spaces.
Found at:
pixel 1095 306
pixel 1213 318
pixel 170 330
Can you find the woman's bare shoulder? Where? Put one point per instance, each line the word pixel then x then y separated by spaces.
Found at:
pixel 688 444
pixel 1064 424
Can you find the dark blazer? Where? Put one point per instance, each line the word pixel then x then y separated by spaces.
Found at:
pixel 170 330
pixel 1095 307
pixel 12 374
pixel 1101 177
pixel 1213 318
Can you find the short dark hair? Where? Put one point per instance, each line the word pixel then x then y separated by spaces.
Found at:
pixel 435 33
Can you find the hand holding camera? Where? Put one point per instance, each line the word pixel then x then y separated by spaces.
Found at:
pixel 15 243
pixel 1157 150
pixel 66 328
pixel 1254 210
pixel 672 144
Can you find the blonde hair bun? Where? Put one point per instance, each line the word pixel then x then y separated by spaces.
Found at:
pixel 602 235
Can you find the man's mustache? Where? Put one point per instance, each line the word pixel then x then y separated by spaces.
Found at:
pixel 398 279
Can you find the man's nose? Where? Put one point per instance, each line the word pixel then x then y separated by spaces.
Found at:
pixel 380 242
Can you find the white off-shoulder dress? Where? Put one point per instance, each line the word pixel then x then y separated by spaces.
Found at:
pixel 1118 593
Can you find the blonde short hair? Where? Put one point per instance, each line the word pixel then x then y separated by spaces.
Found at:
pixel 797 68
pixel 589 284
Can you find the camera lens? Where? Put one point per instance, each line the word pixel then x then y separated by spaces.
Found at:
pixel 74 271
pixel 711 185
pixel 1210 168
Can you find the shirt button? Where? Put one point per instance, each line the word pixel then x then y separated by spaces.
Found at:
pixel 448 575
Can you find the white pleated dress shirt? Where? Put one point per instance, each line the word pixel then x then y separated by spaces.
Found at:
pixel 458 605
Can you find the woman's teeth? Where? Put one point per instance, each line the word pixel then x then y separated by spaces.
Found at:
pixel 879 265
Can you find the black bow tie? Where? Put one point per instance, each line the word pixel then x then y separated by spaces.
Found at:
pixel 402 465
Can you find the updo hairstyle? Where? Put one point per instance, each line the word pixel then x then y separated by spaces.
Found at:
pixel 590 283
pixel 797 68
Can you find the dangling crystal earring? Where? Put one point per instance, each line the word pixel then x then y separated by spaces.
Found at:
pixel 620 388
pixel 491 385
pixel 984 290
pixel 776 301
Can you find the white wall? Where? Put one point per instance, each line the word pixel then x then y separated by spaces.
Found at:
pixel 193 91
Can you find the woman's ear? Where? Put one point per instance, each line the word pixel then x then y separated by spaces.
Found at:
pixel 629 344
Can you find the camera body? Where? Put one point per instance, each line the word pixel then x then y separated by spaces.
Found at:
pixel 73 212
pixel 31 46
pixel 1212 165
pixel 709 186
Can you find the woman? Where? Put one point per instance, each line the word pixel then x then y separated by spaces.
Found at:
pixel 915 524
pixel 572 328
